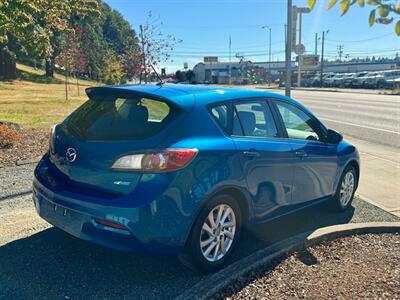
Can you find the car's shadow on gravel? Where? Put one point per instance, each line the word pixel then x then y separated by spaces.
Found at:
pixel 54 265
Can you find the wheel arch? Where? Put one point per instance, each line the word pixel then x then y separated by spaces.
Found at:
pixel 234 192
pixel 240 198
pixel 356 166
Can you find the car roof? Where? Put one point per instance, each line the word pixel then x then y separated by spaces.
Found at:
pixel 186 95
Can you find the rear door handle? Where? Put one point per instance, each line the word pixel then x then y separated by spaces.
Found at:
pixel 251 153
pixel 301 154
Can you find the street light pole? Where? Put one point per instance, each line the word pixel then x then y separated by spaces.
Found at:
pixel 316 44
pixel 322 58
pixel 300 56
pixel 269 52
pixel 288 56
pixel 230 61
pixel 270 75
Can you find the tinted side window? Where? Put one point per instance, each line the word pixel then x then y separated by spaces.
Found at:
pixel 253 118
pixel 297 123
pixel 220 114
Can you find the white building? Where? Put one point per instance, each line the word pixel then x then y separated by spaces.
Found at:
pixel 218 72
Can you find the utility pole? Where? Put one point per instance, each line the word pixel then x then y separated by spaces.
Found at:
pixel 269 52
pixel 288 56
pixel 322 58
pixel 269 64
pixel 285 35
pixel 300 56
pixel 143 57
pixel 316 43
pixel 340 52
pixel 230 62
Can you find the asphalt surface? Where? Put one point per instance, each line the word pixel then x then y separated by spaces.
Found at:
pixel 38 261
pixel 370 117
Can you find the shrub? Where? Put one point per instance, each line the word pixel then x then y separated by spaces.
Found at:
pixel 9 135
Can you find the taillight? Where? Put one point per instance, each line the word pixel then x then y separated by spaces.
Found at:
pixel 154 162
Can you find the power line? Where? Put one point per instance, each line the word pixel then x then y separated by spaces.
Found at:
pixel 360 41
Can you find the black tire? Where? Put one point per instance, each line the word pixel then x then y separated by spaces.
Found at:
pixel 336 202
pixel 192 255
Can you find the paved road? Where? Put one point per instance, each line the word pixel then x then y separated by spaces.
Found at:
pixel 369 117
pixel 48 261
pixel 38 261
pixel 372 123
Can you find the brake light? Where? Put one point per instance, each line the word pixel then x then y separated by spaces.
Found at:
pixel 154 162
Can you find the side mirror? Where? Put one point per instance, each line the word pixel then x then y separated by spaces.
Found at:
pixel 333 137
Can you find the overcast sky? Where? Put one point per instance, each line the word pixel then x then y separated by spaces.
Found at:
pixel 205 27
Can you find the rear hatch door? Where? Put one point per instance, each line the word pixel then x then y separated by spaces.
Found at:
pixel 104 128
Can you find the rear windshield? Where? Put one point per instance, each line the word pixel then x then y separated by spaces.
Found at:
pixel 120 118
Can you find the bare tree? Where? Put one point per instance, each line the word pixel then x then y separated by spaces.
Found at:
pixel 156 47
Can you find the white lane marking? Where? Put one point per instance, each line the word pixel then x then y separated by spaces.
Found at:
pixel 396 163
pixel 361 126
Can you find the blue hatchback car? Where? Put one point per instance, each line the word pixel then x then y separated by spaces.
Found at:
pixel 180 169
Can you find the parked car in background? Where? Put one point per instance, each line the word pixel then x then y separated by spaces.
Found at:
pixel 347 80
pixel 337 80
pixel 370 80
pixel 312 81
pixel 328 79
pixel 388 79
pixel 358 79
pixel 180 169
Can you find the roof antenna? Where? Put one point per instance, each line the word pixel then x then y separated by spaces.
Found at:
pixel 161 82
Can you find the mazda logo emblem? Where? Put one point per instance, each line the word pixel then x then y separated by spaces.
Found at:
pixel 70 155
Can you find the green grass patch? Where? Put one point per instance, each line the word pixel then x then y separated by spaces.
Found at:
pixel 34 101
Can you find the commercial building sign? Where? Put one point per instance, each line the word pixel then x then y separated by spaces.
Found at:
pixel 310 60
pixel 210 59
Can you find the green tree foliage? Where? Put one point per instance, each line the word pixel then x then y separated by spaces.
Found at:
pixel 38 24
pixel 17 20
pixel 180 76
pixel 383 11
pixel 85 37
pixel 122 40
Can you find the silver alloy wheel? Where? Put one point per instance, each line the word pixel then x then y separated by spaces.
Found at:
pixel 218 232
pixel 346 189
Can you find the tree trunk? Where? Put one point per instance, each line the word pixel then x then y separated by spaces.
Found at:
pixel 66 85
pixel 77 82
pixel 49 67
pixel 8 67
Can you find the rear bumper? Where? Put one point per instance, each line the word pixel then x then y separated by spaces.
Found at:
pixel 157 225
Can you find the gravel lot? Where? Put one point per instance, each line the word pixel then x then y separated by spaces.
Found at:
pixel 38 261
pixel 32 145
pixel 358 267
pixel 16 180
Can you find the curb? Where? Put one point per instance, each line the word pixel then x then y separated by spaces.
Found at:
pixel 19 194
pixel 207 287
pixel 27 161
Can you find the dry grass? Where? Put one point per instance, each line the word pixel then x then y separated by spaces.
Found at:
pixel 36 102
